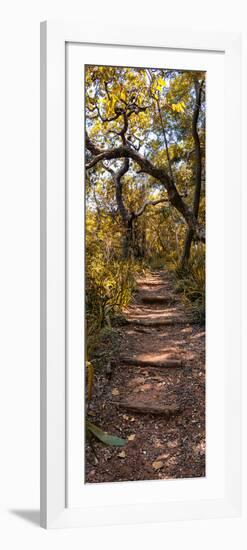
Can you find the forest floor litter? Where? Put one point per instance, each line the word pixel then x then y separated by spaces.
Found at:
pixel 149 388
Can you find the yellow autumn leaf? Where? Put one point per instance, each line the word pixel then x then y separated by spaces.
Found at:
pixel 158 464
pixel 178 107
pixel 161 83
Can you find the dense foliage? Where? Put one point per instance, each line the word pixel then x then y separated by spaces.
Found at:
pixel 145 184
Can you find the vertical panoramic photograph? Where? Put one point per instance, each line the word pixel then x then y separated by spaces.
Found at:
pixel 145 251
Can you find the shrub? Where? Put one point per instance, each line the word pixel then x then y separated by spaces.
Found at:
pixel 191 282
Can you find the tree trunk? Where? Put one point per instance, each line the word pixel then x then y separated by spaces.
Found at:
pixel 128 239
pixel 186 249
pixel 134 241
pixel 198 171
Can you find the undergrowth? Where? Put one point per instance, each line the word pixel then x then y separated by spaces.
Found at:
pixel 109 288
pixel 191 283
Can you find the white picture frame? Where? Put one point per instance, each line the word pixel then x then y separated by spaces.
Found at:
pixel 55 511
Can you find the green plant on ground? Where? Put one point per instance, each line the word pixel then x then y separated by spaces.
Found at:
pixel 104 437
pixel 109 289
pixel 191 282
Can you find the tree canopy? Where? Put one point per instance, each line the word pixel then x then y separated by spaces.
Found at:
pixel 145 173
pixel 145 125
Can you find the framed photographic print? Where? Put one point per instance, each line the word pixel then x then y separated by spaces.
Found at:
pixel 140 253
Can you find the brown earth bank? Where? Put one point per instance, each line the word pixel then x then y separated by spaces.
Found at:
pixel 149 388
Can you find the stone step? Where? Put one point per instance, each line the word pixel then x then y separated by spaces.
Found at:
pixel 158 322
pixel 149 407
pixel 157 299
pixel 151 283
pixel 165 360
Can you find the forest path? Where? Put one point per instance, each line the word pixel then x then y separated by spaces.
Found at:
pixel 155 393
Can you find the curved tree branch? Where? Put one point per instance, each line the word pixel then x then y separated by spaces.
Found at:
pixel 148 167
pixel 125 215
pixel 146 204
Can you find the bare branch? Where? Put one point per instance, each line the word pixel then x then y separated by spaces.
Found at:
pixel 165 139
pixel 148 203
pixel 157 173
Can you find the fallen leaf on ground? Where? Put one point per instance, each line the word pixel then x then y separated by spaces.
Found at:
pixel 172 444
pixel 162 457
pixel 125 417
pixel 115 391
pixel 137 380
pixel 145 387
pixel 158 464
pixel 122 454
pixel 158 443
pixel 131 437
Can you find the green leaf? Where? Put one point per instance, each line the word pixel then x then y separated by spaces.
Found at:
pixel 106 438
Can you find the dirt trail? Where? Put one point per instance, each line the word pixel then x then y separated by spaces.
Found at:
pixel 152 390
